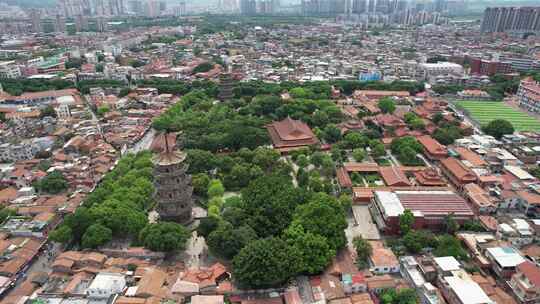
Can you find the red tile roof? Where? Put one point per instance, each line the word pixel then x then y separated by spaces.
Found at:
pixel 343 178
pixel 380 94
pixel 361 167
pixel 432 203
pixel 429 177
pixel 471 157
pixel 8 194
pixel 458 170
pixel 531 271
pixel 529 197
pixel 291 133
pixel 432 146
pixel 393 176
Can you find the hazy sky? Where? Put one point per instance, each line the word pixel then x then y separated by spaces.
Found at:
pixel 46 3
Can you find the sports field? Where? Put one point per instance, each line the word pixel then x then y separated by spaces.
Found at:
pixel 486 111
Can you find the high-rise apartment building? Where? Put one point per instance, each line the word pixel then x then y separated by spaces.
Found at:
pixel 359 6
pixel 101 24
pixel 135 7
pixel 35 19
pixel 228 6
pixel 81 23
pixel 511 19
pixel 372 6
pixel 326 7
pixel 73 8
pixel 529 95
pixel 180 9
pixel 248 7
pixel 59 24
pixel 441 5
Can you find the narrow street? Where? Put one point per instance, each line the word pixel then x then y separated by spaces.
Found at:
pixel 144 143
pixel 196 252
pixel 95 119
pixel 465 117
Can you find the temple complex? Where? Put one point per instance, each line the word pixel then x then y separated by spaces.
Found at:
pixel 290 134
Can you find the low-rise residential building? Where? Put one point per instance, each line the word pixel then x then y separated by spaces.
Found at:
pixel 517 231
pixel 461 289
pixel 458 174
pixel 504 260
pixel 10 69
pixel 529 95
pixel 480 200
pixel 525 283
pixel 382 260
pixel 105 285
pixel 432 70
pixel 411 272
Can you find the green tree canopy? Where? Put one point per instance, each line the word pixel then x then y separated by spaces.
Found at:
pixel 53 183
pixel 332 133
pixel 314 251
pixel 402 296
pixel 324 216
pixel 450 224
pixel 47 111
pixel 363 251
pixel 355 140
pixel 96 235
pixel 447 135
pixel 207 225
pixel 200 183
pixel 417 240
pixel 449 245
pixel 359 155
pixel 265 263
pixel 61 235
pixel 498 127
pixel 215 188
pixel 164 236
pixel 203 68
pixel 102 110
pixel 406 221
pixel 387 105
pixel 270 202
pixel 226 241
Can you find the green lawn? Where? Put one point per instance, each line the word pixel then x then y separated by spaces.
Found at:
pixel 486 111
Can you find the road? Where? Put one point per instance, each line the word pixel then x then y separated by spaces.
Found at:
pixel 94 117
pixel 46 257
pixel 144 143
pixel 465 118
pixel 360 223
pixel 196 252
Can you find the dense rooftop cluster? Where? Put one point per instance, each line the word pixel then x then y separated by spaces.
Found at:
pixel 320 161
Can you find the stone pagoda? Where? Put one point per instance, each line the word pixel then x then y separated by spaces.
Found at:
pixel 226 85
pixel 173 185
